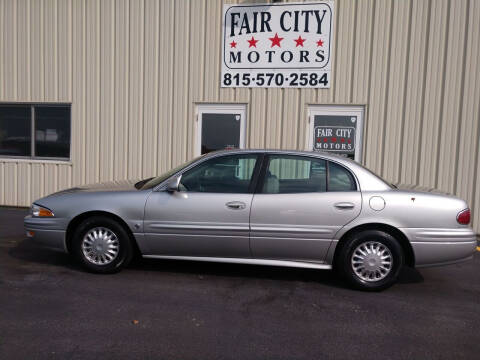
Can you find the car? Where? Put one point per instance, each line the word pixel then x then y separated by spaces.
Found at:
pixel 266 207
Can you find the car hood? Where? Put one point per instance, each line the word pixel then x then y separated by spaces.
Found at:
pixel 119 185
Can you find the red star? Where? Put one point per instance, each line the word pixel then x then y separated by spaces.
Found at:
pixel 233 44
pixel 252 42
pixel 319 42
pixel 275 40
pixel 299 41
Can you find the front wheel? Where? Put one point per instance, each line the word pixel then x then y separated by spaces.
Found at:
pixel 371 260
pixel 102 245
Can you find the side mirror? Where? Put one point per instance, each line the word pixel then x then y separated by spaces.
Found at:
pixel 173 184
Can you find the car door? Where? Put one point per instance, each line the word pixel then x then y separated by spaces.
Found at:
pixel 300 204
pixel 209 216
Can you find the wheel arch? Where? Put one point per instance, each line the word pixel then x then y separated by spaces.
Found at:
pixel 389 229
pixel 77 220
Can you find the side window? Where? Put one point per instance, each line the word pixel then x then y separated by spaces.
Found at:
pixel 294 174
pixel 339 178
pixel 225 174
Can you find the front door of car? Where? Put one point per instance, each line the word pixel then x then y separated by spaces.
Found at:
pixel 299 206
pixel 209 215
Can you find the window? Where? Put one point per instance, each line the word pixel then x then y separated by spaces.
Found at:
pixel 336 129
pixel 295 174
pixel 35 131
pixel 225 174
pixel 220 126
pixel 339 178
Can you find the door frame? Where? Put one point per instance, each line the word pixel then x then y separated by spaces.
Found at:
pixel 343 110
pixel 219 108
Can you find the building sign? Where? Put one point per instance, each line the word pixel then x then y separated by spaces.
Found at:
pixel 277 45
pixel 335 133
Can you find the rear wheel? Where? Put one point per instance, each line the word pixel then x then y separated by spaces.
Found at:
pixel 371 260
pixel 102 245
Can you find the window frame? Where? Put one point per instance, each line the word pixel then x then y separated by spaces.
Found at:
pixel 253 182
pixel 342 110
pixel 219 108
pixel 32 156
pixel 266 162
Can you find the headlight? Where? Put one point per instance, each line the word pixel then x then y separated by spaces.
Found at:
pixel 41 211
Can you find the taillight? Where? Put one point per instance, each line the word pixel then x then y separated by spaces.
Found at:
pixel 463 217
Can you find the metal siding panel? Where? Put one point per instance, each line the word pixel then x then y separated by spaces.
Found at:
pixel 11 183
pixel 78 92
pixel 10 53
pixel 196 66
pixel 135 94
pixel 92 105
pixel 107 90
pixel 378 96
pixel 396 85
pixel 64 177
pixel 166 81
pixel 362 60
pixel 257 118
pixel 150 89
pixel 23 50
pixel 37 50
pixel 415 90
pixel 51 178
pixel 122 42
pixel 37 190
pixel 64 51
pixel 290 119
pixel 180 88
pixel 212 57
pixel 448 149
pixel 50 49
pixel 343 55
pixel 307 97
pixel 23 184
pixel 433 94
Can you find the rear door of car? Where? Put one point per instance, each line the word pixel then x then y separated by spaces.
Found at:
pixel 209 216
pixel 299 204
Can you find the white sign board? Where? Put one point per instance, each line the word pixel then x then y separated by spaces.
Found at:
pixel 277 45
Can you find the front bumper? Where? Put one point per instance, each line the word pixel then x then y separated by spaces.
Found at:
pixel 46 232
pixel 441 246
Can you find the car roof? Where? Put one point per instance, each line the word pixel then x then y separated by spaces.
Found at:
pixel 322 154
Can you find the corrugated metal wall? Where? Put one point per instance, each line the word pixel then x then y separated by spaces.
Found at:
pixel 133 71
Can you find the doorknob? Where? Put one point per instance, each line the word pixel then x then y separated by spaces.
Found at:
pixel 344 205
pixel 236 205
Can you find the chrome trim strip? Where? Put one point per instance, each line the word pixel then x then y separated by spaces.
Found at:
pixel 444 242
pixel 268 262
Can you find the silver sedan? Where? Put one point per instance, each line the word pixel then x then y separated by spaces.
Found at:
pixel 284 208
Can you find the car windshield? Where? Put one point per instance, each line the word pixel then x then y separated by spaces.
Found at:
pixel 154 181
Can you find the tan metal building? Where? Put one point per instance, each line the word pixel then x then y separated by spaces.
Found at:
pixel 139 76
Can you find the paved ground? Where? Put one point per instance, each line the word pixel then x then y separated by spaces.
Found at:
pixel 51 309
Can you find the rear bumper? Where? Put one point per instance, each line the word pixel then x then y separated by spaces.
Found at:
pixel 45 232
pixel 441 246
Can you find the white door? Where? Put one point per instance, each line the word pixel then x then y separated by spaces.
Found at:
pixel 336 129
pixel 220 126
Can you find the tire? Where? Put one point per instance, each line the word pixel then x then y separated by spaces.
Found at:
pixel 102 245
pixel 363 271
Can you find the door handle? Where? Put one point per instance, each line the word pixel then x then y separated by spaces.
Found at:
pixel 236 205
pixel 344 205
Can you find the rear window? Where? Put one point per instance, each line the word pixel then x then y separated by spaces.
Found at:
pixel 340 179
